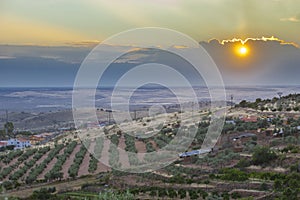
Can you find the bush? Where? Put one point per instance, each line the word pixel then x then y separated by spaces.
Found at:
pixel 243 163
pixel 172 193
pixel 234 175
pixel 193 194
pixel 8 185
pixel 44 194
pixel 182 193
pixel 162 192
pixel 263 155
pixel 114 195
pixel 235 195
pixel 263 187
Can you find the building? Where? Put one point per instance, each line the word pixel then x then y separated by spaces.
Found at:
pixel 245 137
pixel 19 143
pixel 249 119
pixel 240 141
pixel 3 144
pixel 194 153
pixel 41 138
pixel 35 139
pixel 230 122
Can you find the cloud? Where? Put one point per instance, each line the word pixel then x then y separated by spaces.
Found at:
pixel 7 57
pixel 264 39
pixel 84 43
pixel 66 54
pixel 269 59
pixel 179 47
pixel 291 19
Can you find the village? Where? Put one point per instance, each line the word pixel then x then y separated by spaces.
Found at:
pixel 55 157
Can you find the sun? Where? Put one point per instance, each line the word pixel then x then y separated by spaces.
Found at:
pixel 242 50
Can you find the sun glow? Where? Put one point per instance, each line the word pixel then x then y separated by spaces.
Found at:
pixel 242 51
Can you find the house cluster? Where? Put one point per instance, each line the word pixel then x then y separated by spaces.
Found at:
pixel 40 138
pixel 22 142
pixel 17 143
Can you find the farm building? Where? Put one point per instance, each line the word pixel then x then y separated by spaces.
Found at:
pixel 19 143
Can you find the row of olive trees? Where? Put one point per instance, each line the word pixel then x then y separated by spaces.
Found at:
pixel 150 156
pixel 97 155
pixel 37 154
pixel 74 168
pixel 131 149
pixel 7 158
pixel 7 170
pixel 55 172
pixel 27 154
pixel 114 153
pixel 41 167
pixel 170 193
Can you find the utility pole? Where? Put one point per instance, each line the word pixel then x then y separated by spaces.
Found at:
pixel 193 110
pixel 109 116
pixel 279 94
pixel 231 101
pixel 134 115
pixel 6 131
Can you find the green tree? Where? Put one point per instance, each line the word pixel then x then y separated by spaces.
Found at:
pixel 9 127
pixel 118 196
pixel 277 184
pixel 263 155
pixel 243 163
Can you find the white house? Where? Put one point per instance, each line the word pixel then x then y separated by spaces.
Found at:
pixel 19 143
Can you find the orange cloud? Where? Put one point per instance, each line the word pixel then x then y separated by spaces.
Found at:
pixel 83 43
pixel 290 19
pixel 295 18
pixel 265 39
pixel 16 30
pixel 179 47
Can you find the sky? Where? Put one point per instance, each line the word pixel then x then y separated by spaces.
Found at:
pixel 43 42
pixel 59 22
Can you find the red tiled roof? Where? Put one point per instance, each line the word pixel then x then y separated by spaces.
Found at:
pixel 22 140
pixel 3 143
pixel 249 119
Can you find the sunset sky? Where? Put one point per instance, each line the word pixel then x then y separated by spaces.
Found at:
pixel 60 33
pixel 59 22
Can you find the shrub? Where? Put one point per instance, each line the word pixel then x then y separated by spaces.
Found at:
pixel 234 175
pixel 263 155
